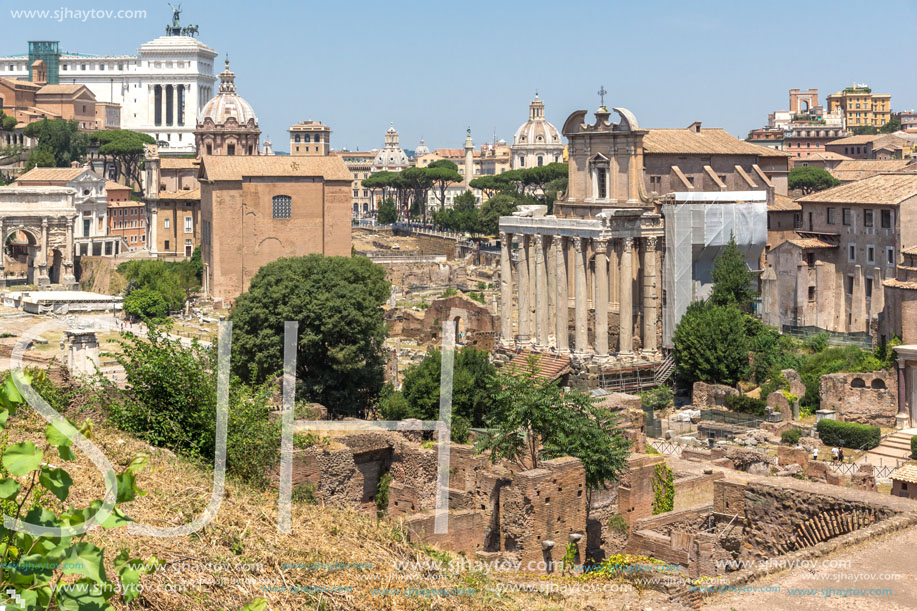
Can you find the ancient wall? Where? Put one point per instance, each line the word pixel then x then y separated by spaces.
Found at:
pixel 865 398
pixel 706 395
pixel 635 491
pixel 694 490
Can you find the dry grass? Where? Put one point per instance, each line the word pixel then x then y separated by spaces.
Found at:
pixel 244 532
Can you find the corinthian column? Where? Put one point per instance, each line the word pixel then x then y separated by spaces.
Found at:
pixel 561 300
pixel 601 297
pixel 581 339
pixel 626 333
pixel 506 289
pixel 541 293
pixel 649 294
pixel 523 273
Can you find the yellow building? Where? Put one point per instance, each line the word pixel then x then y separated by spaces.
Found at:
pixel 861 106
pixel 310 138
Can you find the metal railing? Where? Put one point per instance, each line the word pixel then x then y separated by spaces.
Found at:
pixel 732 418
pixel 835 338
pixel 665 448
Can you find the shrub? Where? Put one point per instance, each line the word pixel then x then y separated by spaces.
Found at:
pixel 663 489
pixel 146 303
pixel 848 434
pixel 710 345
pixel 746 404
pixel 790 436
pixel 914 447
pixel 658 398
pixel 618 524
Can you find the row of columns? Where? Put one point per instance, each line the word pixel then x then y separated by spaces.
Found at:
pixel 542 282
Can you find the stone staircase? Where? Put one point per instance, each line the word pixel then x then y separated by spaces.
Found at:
pixel 895 447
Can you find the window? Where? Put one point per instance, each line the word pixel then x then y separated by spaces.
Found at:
pixel 868 288
pixel 886 218
pixel 867 218
pixel 829 216
pixel 811 293
pixel 283 207
pixel 165 223
pixel 296 138
pixel 890 255
pixel 849 285
pixel 189 224
pixel 166 245
pixel 871 254
pixel 230 149
pixel 540 160
pixel 852 252
pixel 601 183
pixel 845 214
pixel 797 220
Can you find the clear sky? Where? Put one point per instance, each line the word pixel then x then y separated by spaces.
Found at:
pixel 435 68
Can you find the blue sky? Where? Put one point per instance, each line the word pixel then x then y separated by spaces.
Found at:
pixel 435 68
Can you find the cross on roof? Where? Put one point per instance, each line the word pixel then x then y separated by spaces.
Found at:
pixel 602 93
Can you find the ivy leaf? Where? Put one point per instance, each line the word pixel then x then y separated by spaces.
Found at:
pixel 57 433
pixel 84 595
pixel 116 519
pixel 37 598
pixel 41 517
pixel 22 458
pixel 57 481
pixel 259 604
pixel 10 397
pixel 138 464
pixel 65 453
pixel 4 416
pixel 85 559
pixel 9 488
pixel 127 487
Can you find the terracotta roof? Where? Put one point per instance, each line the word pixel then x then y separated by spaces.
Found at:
pixel 51 174
pixel 450 152
pixel 61 89
pixel 782 202
pixel 911 250
pixel 906 473
pixel 15 83
pixel 857 169
pixel 183 195
pixel 901 284
pixel 234 167
pixel 866 139
pixel 810 243
pixel 826 156
pixel 111 185
pixel 548 366
pixel 177 163
pixel 882 189
pixel 128 203
pixel 709 141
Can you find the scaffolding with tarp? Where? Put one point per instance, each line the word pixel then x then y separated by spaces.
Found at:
pixel 49 52
pixel 697 228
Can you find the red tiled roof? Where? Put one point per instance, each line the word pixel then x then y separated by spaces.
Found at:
pixel 547 366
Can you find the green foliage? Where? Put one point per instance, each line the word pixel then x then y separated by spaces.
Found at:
pixel 834 359
pixel 442 173
pixel 810 179
pixel 28 560
pixel 657 398
pixel 885 353
pixel 569 559
pixel 381 498
pixel 59 143
pixel 123 149
pixel 533 419
pixel 914 447
pixel 791 436
pixel 865 130
pixel 479 297
pixel 770 351
pixel 746 404
pixel 663 482
pixel 618 524
pixel 848 434
pixel 489 216
pixel 304 493
pixel 173 280
pixel 337 302
pixel 197 264
pixel 7 123
pixel 146 303
pixel 733 282
pixel 472 391
pixel 890 127
pixel 450 292
pixel 816 343
pixel 388 211
pixel 710 345
pixel 463 216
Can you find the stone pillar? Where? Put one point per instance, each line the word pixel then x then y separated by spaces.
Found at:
pixel 506 289
pixel 530 257
pixel 2 256
pixel 614 274
pixel 858 301
pixel 840 303
pixel 824 291
pixel 650 295
pixel 626 333
pixel 153 244
pixel 562 301
pixel 541 292
pixel 802 293
pixel 582 334
pixel 601 297
pixel 903 419
pixel 523 274
pixel 551 266
pixel 877 304
pixel 42 259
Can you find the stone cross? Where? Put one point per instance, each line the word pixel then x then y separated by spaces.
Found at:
pixel 602 93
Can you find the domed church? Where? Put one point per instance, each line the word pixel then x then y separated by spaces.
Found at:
pixel 227 124
pixel 391 158
pixel 537 141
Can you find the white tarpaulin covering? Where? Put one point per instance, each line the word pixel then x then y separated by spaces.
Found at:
pixel 697 227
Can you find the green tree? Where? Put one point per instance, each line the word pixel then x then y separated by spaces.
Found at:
pixel 499 205
pixel 441 174
pixel 865 130
pixel 710 344
pixel 197 264
pixel 7 123
pixel 388 211
pixel 733 282
pixel 146 303
pixel 417 181
pixel 174 280
pixel 539 177
pixel 533 419
pixel 893 125
pixel 123 149
pixel 61 139
pixel 462 216
pixel 809 180
pixel 491 185
pixel 337 303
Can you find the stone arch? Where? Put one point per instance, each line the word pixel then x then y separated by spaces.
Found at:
pixel 857 383
pixel 21 249
pixel 271 248
pixel 459 328
pixel 878 384
pixel 55 264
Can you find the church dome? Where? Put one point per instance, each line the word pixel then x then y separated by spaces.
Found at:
pixel 227 103
pixel 391 157
pixel 537 131
pixel 421 150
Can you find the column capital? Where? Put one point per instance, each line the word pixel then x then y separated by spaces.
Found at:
pixel 579 243
pixel 539 241
pixel 600 245
pixel 44 222
pixel 628 244
pixel 651 243
pixel 505 237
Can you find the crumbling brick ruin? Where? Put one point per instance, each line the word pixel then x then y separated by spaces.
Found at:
pixel 865 398
pixel 475 323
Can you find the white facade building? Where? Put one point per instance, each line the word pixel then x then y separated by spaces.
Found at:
pixel 161 90
pixel 536 142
